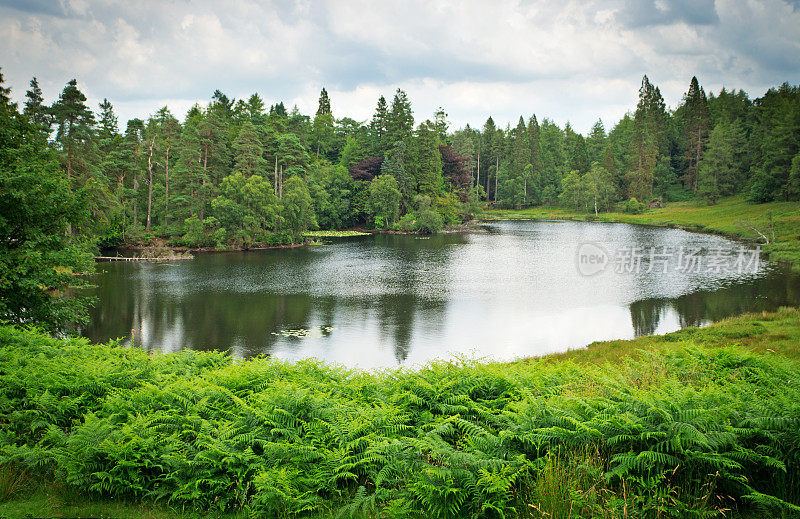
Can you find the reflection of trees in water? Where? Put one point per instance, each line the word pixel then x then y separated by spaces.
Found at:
pixel 768 293
pixel 201 320
pixel 646 314
pixel 169 312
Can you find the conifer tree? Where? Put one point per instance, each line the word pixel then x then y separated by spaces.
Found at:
pixel 718 167
pixel 379 127
pixel 248 152
pixel 695 129
pixel 35 110
pixel 427 160
pixel 648 140
pixel 596 142
pixel 324 103
pixel 400 119
pixel 75 122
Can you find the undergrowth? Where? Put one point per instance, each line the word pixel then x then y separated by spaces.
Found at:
pixel 688 431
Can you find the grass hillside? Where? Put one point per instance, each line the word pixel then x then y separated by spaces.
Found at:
pixel 731 216
pixel 698 423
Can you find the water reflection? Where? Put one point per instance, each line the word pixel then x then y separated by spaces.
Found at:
pixel 403 300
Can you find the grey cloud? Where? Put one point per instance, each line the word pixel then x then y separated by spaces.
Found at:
pixel 50 7
pixel 644 13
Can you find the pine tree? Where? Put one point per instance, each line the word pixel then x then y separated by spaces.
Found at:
pixel 5 94
pixel 324 104
pixel 248 152
pixel 113 159
pixel 648 140
pixel 535 160
pixel 74 120
pixel 35 110
pixel 190 176
pixel 427 160
pixel 596 142
pixel 520 159
pixel 400 119
pixel 169 135
pixel 322 127
pixel 212 133
pixel 133 143
pixel 718 167
pixel 489 160
pixel 441 123
pixel 255 106
pixel 695 129
pixel 379 127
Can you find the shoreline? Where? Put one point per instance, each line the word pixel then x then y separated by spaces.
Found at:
pixel 783 248
pixel 313 237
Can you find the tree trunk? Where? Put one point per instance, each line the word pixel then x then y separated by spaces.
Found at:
pixel 136 187
pixel 150 184
pixel 276 174
pixel 496 174
pixel 478 177
pixel 69 151
pixel 697 158
pixel 280 184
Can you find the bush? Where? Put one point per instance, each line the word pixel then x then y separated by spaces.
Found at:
pixel 633 206
pixel 278 238
pixel 408 223
pixel 429 221
pixel 194 236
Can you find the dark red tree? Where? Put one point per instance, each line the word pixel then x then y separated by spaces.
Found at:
pixel 366 169
pixel 454 168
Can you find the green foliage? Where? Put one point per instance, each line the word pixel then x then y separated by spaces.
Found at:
pixel 384 201
pixel 429 221
pixel 407 223
pixel 573 192
pixel 719 175
pixel 690 430
pixel 42 254
pixel 196 234
pixel 246 208
pixel 633 206
pixel 297 209
pixel 332 189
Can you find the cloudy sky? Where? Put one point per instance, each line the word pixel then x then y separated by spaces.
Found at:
pixel 570 61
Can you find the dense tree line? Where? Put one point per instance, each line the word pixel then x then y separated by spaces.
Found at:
pixel 236 172
pixel 708 147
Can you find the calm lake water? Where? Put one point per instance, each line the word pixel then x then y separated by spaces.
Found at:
pixel 520 289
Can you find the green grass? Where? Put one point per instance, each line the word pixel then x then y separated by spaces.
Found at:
pixel 732 217
pixel 697 423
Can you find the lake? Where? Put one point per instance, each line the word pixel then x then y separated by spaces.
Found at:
pixel 520 289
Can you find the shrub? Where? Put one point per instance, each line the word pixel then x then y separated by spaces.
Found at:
pixel 429 221
pixel 633 206
pixel 408 223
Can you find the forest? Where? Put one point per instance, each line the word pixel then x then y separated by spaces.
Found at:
pixel 236 173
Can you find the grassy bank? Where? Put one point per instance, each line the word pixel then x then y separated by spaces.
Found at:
pixel 731 216
pixel 695 423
